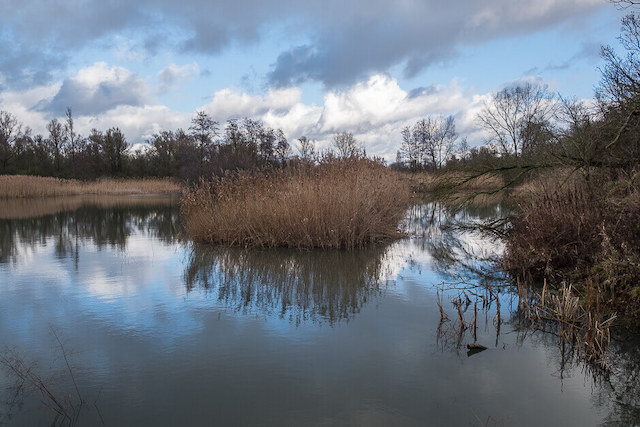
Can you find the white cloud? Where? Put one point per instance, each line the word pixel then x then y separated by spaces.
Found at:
pixel 137 123
pixel 375 110
pixel 98 88
pixel 229 103
pixel 174 76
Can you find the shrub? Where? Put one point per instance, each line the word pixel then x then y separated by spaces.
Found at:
pixel 584 233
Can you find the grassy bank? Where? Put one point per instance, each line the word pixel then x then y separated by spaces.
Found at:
pixel 582 232
pixel 337 204
pixel 455 181
pixel 22 186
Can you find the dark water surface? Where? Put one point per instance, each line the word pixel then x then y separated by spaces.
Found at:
pixel 159 331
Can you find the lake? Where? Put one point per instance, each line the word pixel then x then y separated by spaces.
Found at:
pixel 157 330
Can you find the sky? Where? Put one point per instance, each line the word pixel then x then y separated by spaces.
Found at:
pixel 312 68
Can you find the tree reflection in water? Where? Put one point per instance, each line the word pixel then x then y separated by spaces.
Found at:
pixel 460 248
pixel 303 285
pixel 105 222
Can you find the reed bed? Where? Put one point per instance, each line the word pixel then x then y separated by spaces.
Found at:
pixel 22 186
pixel 347 204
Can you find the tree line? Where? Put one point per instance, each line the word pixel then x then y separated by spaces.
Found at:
pixel 202 150
pixel 527 126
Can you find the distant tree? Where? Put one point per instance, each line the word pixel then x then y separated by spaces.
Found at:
pixel 346 145
pixel 114 146
pixel 306 148
pixel 266 147
pixel 410 151
pixel 441 139
pixel 510 113
pixel 463 148
pixel 164 153
pixel 204 130
pixel 253 129
pixel 57 143
pixel 10 132
pixel 71 137
pixel 282 147
pixel 233 134
pixel 420 140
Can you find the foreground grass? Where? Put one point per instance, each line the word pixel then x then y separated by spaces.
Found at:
pixel 21 186
pixel 338 204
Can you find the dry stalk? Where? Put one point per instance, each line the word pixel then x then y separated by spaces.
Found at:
pixel 577 325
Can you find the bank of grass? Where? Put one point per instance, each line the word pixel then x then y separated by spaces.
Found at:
pixel 456 181
pixel 345 204
pixel 586 233
pixel 22 186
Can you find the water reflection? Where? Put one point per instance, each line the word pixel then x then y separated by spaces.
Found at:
pixel 242 333
pixel 301 285
pixel 449 234
pixel 105 222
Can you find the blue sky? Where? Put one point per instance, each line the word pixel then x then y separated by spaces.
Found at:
pixel 312 68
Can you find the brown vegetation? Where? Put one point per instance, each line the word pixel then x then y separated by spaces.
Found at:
pixel 346 203
pixel 459 181
pixel 21 186
pixel 586 233
pixel 581 325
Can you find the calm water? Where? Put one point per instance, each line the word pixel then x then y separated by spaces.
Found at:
pixel 160 331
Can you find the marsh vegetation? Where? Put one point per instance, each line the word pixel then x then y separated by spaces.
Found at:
pixel 338 204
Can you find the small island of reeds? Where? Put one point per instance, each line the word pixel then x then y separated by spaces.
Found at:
pixel 338 203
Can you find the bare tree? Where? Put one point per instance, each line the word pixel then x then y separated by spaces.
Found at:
pixel 10 132
pixel 510 112
pixel 71 136
pixel 204 130
pixel 113 146
pixel 346 145
pixel 56 141
pixel 420 139
pixel 442 139
pixel 410 151
pixel 306 148
pixel 282 147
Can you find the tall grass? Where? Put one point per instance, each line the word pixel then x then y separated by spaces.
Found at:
pixel 22 186
pixel 346 204
pixel 586 233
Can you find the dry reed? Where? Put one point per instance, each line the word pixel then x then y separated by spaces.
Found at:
pixel 338 204
pixel 581 326
pixel 22 186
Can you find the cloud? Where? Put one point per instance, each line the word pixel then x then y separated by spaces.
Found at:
pixel 138 123
pixel 173 76
pixel 589 51
pixel 229 103
pixel 374 110
pixel 97 89
pixel 343 42
pixel 360 42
